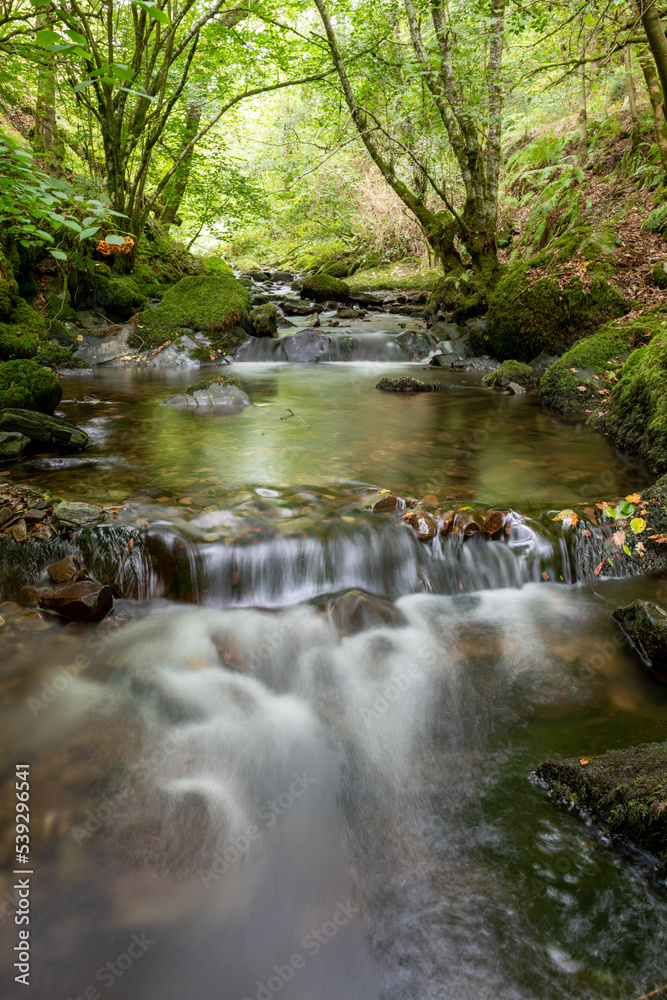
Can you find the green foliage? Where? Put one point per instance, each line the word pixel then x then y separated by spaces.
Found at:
pixel 26 385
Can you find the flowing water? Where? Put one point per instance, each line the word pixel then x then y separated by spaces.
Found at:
pixel 242 788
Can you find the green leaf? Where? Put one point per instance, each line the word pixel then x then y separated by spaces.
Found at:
pixel 71 224
pixel 58 254
pixel 624 509
pixel 626 549
pixel 76 37
pixel 82 85
pixel 46 37
pixel 90 231
pixel 638 524
pixel 157 14
pixel 116 241
pixel 122 72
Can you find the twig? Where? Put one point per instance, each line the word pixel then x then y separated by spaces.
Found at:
pixel 652 993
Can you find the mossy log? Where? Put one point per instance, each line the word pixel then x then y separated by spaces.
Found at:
pixel 44 428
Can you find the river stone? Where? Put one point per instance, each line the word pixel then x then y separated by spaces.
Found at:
pixel 516 389
pixel 416 345
pixel 12 444
pixel 386 501
pixel 29 594
pixel 295 307
pixel 408 384
pixel 205 399
pixel 282 276
pixel 63 570
pixel 623 791
pixel 19 531
pixel 98 350
pixel 645 625
pixel 73 514
pixel 425 526
pixel 43 428
pixel 80 602
pixel 356 611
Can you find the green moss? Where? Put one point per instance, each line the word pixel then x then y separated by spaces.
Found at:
pixel 337 269
pixel 410 275
pixel 526 317
pixel 55 356
pixel 624 792
pixel 264 320
pixel 590 358
pixel 20 338
pixel 637 413
pixel 323 287
pixel 659 274
pixel 206 383
pixel 9 290
pixel 213 303
pixel 119 297
pixel 25 385
pixel 511 371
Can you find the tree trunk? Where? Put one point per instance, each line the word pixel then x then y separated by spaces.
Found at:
pixel 632 97
pixel 582 152
pixel 173 193
pixel 655 34
pixel 655 96
pixel 46 143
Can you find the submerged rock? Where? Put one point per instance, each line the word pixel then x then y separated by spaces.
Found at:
pixel 12 444
pixel 623 791
pixel 79 602
pixel 357 611
pixel 43 428
pixel 223 390
pixel 645 625
pixel 73 514
pixel 408 384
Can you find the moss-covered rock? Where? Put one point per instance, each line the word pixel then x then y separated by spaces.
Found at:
pixel 205 383
pixel 576 382
pixel 58 357
pixel 264 321
pixel 408 384
pixel 645 625
pixel 526 317
pixel 324 288
pixel 511 371
pixel 9 290
pixel 20 337
pixel 337 269
pixel 659 274
pixel 637 414
pixel 213 303
pixel 119 297
pixel 623 791
pixel 26 385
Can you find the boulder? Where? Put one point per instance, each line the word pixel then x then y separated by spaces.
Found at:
pixel 322 287
pixel 12 444
pixel 511 372
pixel 26 385
pixel 29 595
pixel 72 515
pixel 645 625
pixel 356 611
pixel 293 307
pixel 263 320
pixel 79 602
pixel 43 428
pixel 385 501
pixel 515 389
pixel 408 384
pixel 425 526
pixel 623 791
pixel 63 570
pixel 282 276
pixel 223 390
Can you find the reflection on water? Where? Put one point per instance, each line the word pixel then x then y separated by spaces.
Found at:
pixel 328 423
pixel 265 805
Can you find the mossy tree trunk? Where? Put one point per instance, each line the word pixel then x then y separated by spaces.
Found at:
pixel 474 142
pixel 47 144
pixel 632 96
pixel 582 150
pixel 655 34
pixel 175 189
pixel 655 97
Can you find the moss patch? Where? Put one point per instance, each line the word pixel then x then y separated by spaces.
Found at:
pixel 214 303
pixel 406 275
pixel 511 371
pixel 323 287
pixel 205 383
pixel 25 385
pixel 659 274
pixel 624 792
pixel 602 352
pixel 526 318
pixel 9 290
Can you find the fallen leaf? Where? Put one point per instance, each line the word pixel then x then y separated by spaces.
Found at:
pixel 163 499
pixel 640 550
pixel 618 538
pixel 638 524
pixel 660 539
pixel 566 515
pixel 634 498
pixel 545 575
pixel 598 569
pixel 584 760
pixel 587 532
pixel 185 500
pixel 581 388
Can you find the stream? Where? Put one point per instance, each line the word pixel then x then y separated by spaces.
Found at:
pixel 246 786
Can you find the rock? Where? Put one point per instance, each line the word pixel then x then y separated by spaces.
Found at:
pixel 98 350
pixel 416 345
pixel 408 384
pixel 223 390
pixel 71 515
pixel 346 313
pixel 386 501
pixel 576 382
pixel 424 524
pixel 516 389
pixel 645 625
pixel 492 522
pixel 509 373
pixel 19 531
pixel 80 602
pixel 356 611
pixel 12 444
pixel 282 276
pixel 65 569
pixel 314 321
pixel 29 595
pixel 35 515
pixel 43 428
pixel 26 385
pixel 623 791
pixel 293 307
pixel 322 287
pixel 262 321
pixel 256 275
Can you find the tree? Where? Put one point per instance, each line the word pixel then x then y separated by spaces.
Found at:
pixel 441 46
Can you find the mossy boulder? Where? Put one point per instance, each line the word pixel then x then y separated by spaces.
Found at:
pixel 623 791
pixel 26 385
pixel 459 300
pixel 20 337
pixel 58 357
pixel 337 269
pixel 9 289
pixel 263 321
pixel 213 303
pixel 324 288
pixel 119 297
pixel 576 382
pixel 511 371
pixel 527 316
pixel 637 414
pixel 645 625
pixel 205 383
pixel 659 274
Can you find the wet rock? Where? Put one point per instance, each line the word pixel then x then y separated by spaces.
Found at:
pixel 263 321
pixel 322 287
pixel 511 373
pixel 63 570
pixel 256 275
pixel 207 394
pixel 357 611
pixel 516 389
pixel 416 345
pixel 623 791
pixel 19 531
pixel 492 522
pixel 43 428
pixel 314 321
pixel 282 276
pixel 367 299
pixel 34 516
pixel 99 350
pixel 12 444
pixel 79 602
pixel 408 384
pixel 645 625
pixel 386 501
pixel 425 526
pixel 29 595
pixel 71 515
pixel 346 313
pixel 294 307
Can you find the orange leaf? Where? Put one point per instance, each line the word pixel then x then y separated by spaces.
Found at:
pixel 584 760
pixel 661 539
pixel 634 497
pixel 598 569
